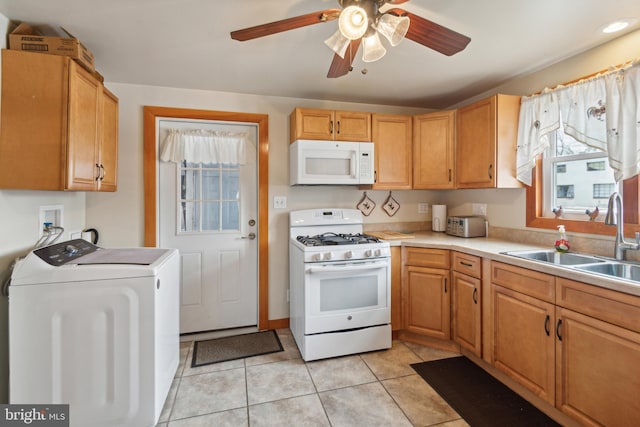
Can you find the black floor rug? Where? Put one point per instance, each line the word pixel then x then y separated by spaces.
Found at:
pixel 235 347
pixel 477 396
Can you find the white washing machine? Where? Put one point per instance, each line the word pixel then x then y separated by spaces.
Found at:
pixel 97 329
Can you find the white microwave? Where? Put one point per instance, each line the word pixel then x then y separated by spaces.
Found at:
pixel 330 162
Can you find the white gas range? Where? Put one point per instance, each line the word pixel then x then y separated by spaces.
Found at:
pixel 339 284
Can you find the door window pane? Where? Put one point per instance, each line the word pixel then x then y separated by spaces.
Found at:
pixel 209 198
pixel 210 216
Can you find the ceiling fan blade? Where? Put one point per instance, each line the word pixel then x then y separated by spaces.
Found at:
pixel 341 66
pixel 432 35
pixel 397 1
pixel 285 25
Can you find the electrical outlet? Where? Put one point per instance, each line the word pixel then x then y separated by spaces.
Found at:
pixel 423 208
pixel 280 202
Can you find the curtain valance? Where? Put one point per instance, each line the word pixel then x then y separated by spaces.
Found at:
pixel 205 146
pixel 601 111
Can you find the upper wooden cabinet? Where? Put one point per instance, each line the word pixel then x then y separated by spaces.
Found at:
pixel 59 125
pixel 433 150
pixel 486 143
pixel 308 123
pixel 392 138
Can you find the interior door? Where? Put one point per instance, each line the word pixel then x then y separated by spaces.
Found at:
pixel 209 213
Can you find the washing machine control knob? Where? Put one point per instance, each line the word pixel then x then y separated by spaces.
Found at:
pixel 70 250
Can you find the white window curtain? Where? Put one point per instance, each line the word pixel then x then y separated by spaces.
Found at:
pixel 205 146
pixel 601 112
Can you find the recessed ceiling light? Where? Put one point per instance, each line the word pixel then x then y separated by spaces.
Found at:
pixel 618 25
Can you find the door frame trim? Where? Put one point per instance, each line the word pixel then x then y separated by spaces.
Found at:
pixel 151 113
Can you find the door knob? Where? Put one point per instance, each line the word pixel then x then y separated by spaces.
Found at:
pixel 251 236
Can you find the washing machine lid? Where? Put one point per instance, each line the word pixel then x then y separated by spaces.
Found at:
pixel 81 261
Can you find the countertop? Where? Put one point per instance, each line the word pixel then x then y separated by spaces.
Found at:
pixel 493 249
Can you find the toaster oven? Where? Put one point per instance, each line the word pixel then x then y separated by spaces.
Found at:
pixel 466 226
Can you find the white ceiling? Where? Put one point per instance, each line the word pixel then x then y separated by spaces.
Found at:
pixel 186 44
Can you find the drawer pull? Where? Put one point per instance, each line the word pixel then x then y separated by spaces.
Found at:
pixel 466 264
pixel 445 285
pixel 475 296
pixel 546 324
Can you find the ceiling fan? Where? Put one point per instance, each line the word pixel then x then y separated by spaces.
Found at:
pixel 361 22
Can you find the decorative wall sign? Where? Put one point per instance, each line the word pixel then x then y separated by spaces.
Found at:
pixel 366 205
pixel 391 205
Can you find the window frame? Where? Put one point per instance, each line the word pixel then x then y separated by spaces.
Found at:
pixel 535 218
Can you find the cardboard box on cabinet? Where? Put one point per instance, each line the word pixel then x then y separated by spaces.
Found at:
pixel 51 41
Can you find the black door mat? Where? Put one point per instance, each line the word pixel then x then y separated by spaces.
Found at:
pixel 478 397
pixel 235 347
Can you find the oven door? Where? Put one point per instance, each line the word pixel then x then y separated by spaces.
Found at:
pixel 350 295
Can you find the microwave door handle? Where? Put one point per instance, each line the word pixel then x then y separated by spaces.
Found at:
pixel 354 158
pixel 332 269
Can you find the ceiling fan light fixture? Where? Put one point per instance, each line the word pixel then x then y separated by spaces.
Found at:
pixel 394 28
pixel 338 43
pixel 372 48
pixel 353 22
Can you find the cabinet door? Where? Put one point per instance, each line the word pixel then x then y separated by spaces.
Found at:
pixel 352 126
pixel 83 140
pixel 523 340
pixel 108 160
pixel 427 308
pixel 391 135
pixel 433 150
pixel 476 145
pixel 309 123
pixel 598 371
pixel 466 320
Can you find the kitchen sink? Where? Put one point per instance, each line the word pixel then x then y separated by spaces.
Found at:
pixel 555 257
pixel 614 269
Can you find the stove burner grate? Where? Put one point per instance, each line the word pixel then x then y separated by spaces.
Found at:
pixel 331 239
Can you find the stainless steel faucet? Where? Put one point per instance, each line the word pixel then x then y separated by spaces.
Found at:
pixel 615 217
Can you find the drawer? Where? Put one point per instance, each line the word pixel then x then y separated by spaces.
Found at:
pixel 425 257
pixel 470 265
pixel 528 282
pixel 605 304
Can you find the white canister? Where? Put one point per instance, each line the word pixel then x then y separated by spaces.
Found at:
pixel 439 217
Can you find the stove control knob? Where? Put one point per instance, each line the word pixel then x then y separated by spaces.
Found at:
pixel 328 255
pixel 368 253
pixel 316 257
pixel 378 252
pixel 348 255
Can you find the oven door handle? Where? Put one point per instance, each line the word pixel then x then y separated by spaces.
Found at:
pixel 346 268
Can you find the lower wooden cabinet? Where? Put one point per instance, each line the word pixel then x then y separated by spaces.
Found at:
pixel 598 371
pixel 426 292
pixel 580 353
pixel 466 324
pixel 523 340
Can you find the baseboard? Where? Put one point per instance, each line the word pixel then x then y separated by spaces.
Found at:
pixel 279 323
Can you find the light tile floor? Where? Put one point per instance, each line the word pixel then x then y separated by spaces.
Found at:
pixel 280 389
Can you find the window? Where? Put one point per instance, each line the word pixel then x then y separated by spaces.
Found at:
pixel 209 197
pixel 603 191
pixel 576 177
pixel 596 166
